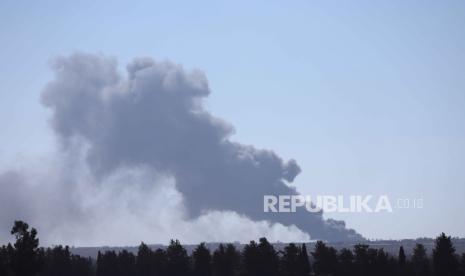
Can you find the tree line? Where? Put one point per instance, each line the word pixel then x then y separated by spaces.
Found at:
pixel 25 258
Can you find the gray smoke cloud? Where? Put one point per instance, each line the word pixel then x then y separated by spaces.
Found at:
pixel 153 120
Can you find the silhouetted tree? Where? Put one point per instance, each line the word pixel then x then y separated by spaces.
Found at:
pixel 382 265
pixel 177 259
pixel 81 266
pixel 233 257
pixel 126 264
pixel 420 262
pixel 402 258
pixel 56 261
pixel 269 260
pixel 290 262
pixel 251 259
pixel 159 262
pixel 361 260
pixel 392 264
pixel 444 259
pixel 260 259
pixel 107 263
pixel 402 262
pixel 25 257
pixel 345 263
pixel 5 261
pixel 201 261
pixel 144 265
pixel 225 260
pixel 295 261
pixel 59 261
pixel 325 259
pixel 99 264
pixel 304 261
pixel 372 255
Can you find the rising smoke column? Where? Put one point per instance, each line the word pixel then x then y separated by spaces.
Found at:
pixel 154 118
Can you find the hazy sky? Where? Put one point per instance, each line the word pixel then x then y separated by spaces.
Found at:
pixel 368 97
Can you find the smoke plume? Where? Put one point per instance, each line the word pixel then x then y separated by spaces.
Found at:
pixel 153 121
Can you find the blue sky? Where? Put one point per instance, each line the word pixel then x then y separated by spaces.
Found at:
pixel 368 97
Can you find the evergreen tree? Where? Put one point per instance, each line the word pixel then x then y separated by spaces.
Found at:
pixel 25 257
pixel 126 264
pixel 345 263
pixel 444 259
pixel 233 258
pixel 325 259
pixel 290 261
pixel 201 261
pixel 304 261
pixel 159 262
pixel 98 264
pixel 402 260
pixel 260 259
pixel 177 259
pixel 269 260
pixel 372 255
pixel 56 261
pixel 361 260
pixel 225 260
pixel 108 264
pixel 251 259
pixel 382 265
pixel 4 261
pixel 144 265
pixel 81 266
pixel 420 262
pixel 402 257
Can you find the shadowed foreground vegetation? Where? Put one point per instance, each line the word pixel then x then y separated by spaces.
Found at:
pixel 26 258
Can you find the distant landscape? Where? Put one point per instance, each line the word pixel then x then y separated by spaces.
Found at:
pixel 437 257
pixel 389 246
